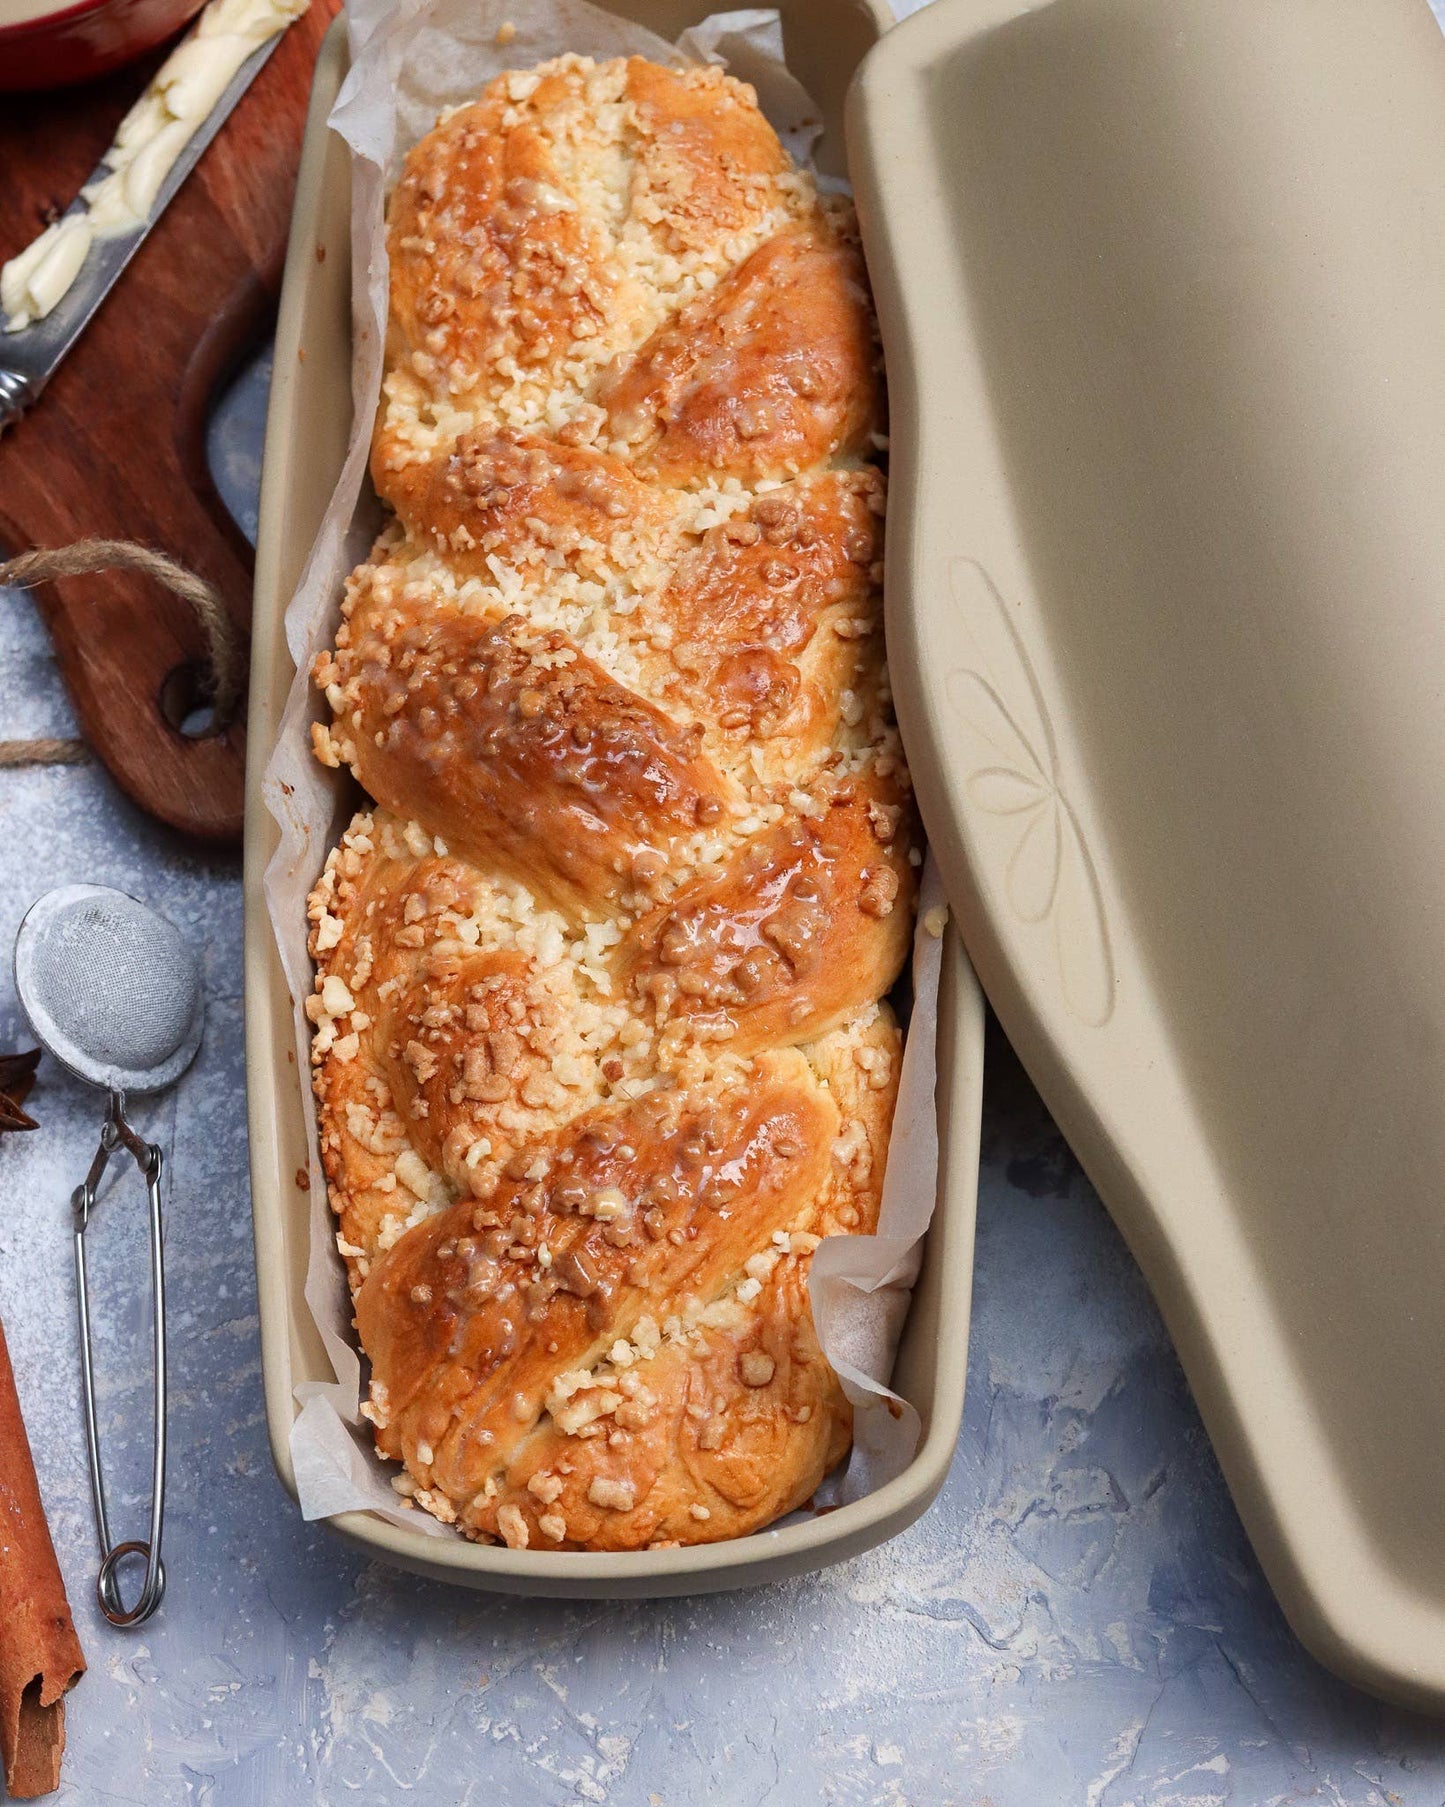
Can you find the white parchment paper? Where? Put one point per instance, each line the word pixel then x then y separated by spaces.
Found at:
pixel 409 62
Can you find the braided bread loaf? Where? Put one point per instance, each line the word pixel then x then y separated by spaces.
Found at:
pixel 599 1049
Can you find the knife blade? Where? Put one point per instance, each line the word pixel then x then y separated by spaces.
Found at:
pixel 30 357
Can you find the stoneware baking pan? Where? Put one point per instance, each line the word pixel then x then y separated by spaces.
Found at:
pixel 310 417
pixel 1162 285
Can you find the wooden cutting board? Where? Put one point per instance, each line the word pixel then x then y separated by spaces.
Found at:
pixel 116 445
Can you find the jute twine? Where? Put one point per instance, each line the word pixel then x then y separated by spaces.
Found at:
pixel 223 644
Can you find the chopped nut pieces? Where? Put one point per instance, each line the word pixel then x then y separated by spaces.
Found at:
pixel 616 1496
pixel 757 1368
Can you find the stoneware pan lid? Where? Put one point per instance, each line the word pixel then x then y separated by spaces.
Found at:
pixel 1162 284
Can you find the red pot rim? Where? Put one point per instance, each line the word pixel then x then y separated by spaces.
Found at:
pixel 48 21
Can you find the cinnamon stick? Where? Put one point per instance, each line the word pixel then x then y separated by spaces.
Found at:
pixel 40 1659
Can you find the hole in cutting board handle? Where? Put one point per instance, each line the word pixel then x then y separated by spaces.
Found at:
pixel 185 701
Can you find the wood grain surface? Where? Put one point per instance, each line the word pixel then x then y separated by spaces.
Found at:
pixel 116 445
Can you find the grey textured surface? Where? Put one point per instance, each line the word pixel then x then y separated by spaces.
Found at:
pixel 1078 1619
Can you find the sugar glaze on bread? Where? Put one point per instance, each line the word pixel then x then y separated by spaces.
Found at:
pixel 600 1049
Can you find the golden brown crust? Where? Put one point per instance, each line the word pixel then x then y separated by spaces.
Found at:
pixel 599 1055
pixel 707 160
pixel 804 919
pixel 548 770
pixel 773 371
pixel 488 262
pixel 479 500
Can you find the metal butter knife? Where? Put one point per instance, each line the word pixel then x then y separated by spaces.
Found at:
pixel 30 357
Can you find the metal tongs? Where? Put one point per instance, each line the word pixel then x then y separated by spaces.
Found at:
pixel 113 992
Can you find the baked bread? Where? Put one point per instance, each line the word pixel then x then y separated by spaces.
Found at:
pixel 600 1049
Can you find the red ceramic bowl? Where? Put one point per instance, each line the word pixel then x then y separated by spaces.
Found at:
pixel 74 43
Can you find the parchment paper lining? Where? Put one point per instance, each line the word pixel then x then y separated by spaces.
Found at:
pixel 409 63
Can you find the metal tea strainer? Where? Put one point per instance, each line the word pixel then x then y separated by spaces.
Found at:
pixel 113 992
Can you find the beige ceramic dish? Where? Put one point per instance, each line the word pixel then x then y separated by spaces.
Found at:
pixel 307 429
pixel 1162 283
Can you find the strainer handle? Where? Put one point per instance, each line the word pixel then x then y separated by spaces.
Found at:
pixel 116 1134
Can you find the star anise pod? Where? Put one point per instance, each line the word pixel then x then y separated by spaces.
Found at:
pixel 17 1075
